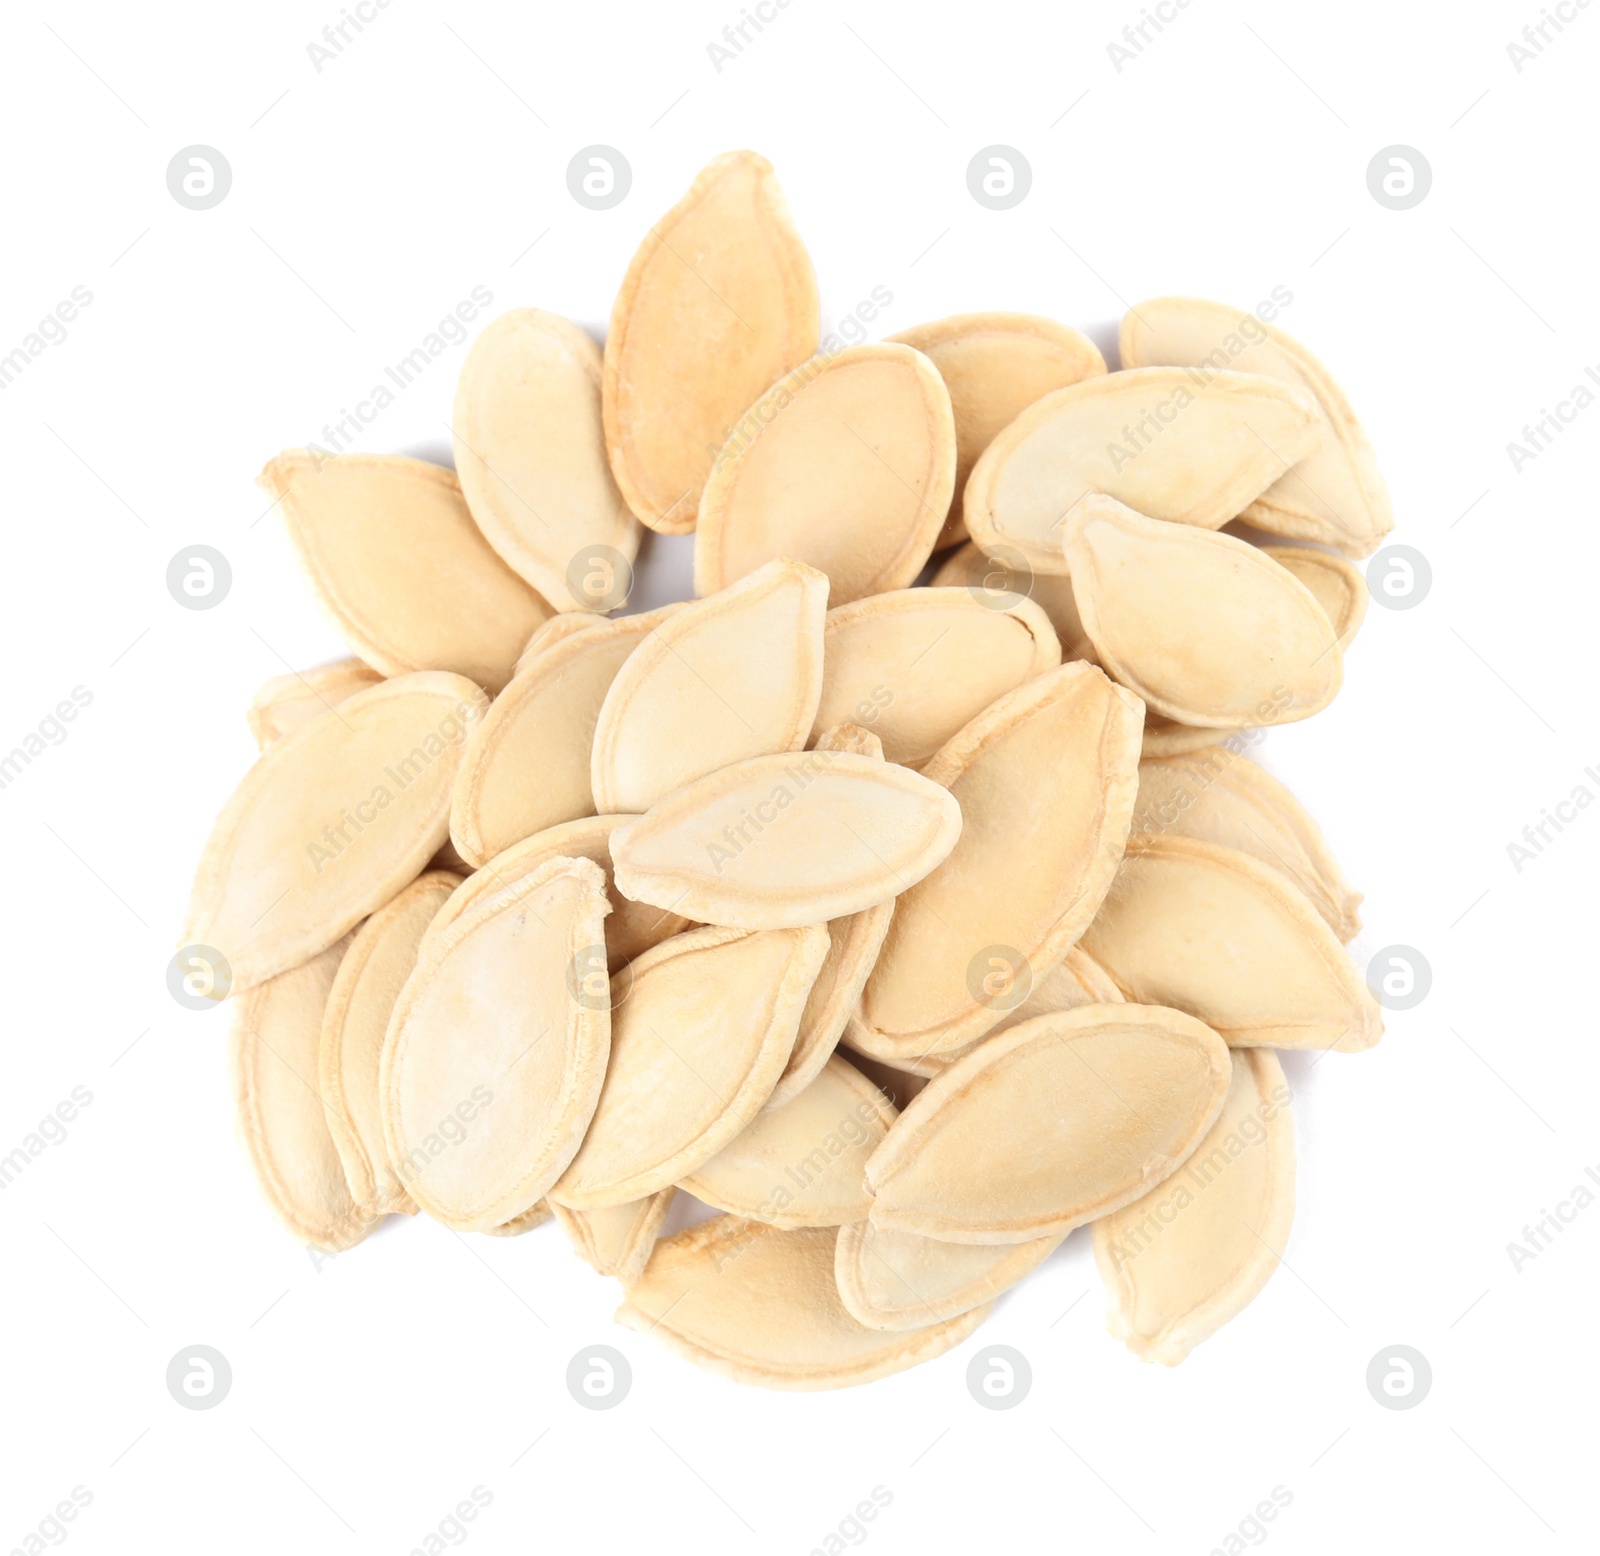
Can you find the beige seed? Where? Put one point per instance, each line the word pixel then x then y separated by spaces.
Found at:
pixel 759 1305
pixel 803 1164
pixel 526 765
pixel 531 455
pixel 393 556
pixel 330 823
pixel 1213 932
pixel 287 701
pixel 1336 495
pixel 847 464
pixel 617 1239
pixel 697 1045
pixel 780 841
pixel 535 1215
pixel 997 585
pixel 995 366
pixel 718 303
pixel 1206 628
pixel 732 676
pixel 1222 439
pixel 380 958
pixel 1167 737
pixel 1045 780
pixel 1070 1116
pixel 1220 797
pixel 1335 585
pixel 1182 1261
pixel 557 629
pixel 917 664
pixel 493 1062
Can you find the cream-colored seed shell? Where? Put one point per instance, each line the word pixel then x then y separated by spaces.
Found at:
pixel 617 1239
pixel 999 585
pixel 286 702
pixel 1335 584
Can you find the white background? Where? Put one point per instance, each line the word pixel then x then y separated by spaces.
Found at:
pixel 429 158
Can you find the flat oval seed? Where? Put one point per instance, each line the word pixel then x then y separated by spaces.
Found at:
pixel 847 464
pixel 1220 797
pixel 1211 931
pixel 1070 1117
pixel 780 841
pixel 998 586
pixel 1045 780
pixel 917 664
pixel 330 823
pixel 896 1280
pixel 719 302
pixel 1167 737
pixel 535 1215
pixel 1182 1261
pixel 1335 495
pixel 697 1046
pixel 1205 627
pixel 526 766
pixel 803 1164
pixel 1335 585
pixel 557 629
pixel 273 1058
pixel 286 702
pixel 617 1239
pixel 380 958
pixel 531 455
pixel 759 1305
pixel 995 366
pixel 1224 438
pixel 393 556
pixel 631 927
pixel 733 676
pixel 494 1058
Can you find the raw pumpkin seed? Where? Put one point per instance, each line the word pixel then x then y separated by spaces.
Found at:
pixel 288 701
pixel 696 1049
pixel 392 554
pixel 531 456
pixel 758 1304
pixel 1071 1115
pixel 846 464
pixel 1233 942
pixel 1336 495
pixel 1176 445
pixel 1167 737
pixel 535 1215
pixel 733 676
pixel 719 301
pixel 780 841
pixel 1206 628
pixel 995 366
pixel 494 1059
pixel 330 823
pixel 1335 585
pixel 996 585
pixel 1182 1261
pixel 617 1239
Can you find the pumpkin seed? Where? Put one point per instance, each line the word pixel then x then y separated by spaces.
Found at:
pixel 719 301
pixel 732 676
pixel 889 1279
pixel 1206 628
pixel 531 454
pixel 1336 496
pixel 526 765
pixel 696 1049
pixel 758 1304
pixel 1167 737
pixel 995 366
pixel 1182 1261
pixel 393 556
pixel 330 823
pixel 1071 1116
pixel 803 1164
pixel 1233 942
pixel 1220 797
pixel 1224 438
pixel 287 701
pixel 378 962
pixel 917 664
pixel 997 584
pixel 1045 780
pixel 557 630
pixel 847 464
pixel 493 1062
pixel 273 1056
pixel 1335 585
pixel 535 1215
pixel 780 841
pixel 617 1239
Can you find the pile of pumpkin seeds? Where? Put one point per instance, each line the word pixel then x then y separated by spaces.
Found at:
pixel 909 926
